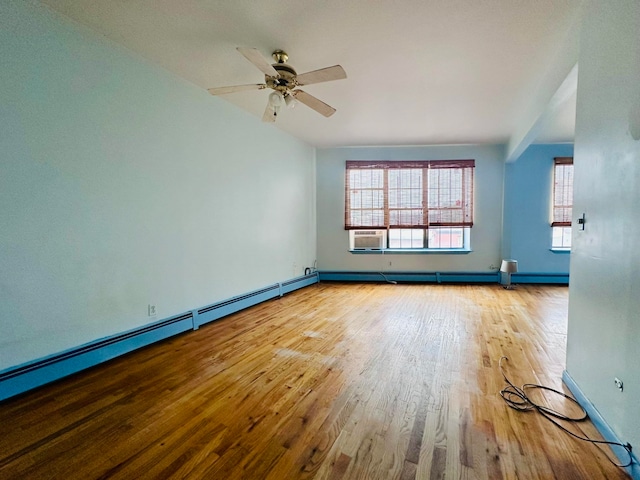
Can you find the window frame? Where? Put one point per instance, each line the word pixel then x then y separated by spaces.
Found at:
pixel 562 203
pixel 465 248
pixel 432 215
pixel 425 195
pixel 425 234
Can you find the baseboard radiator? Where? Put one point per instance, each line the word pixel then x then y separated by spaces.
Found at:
pixel 54 367
pixel 441 277
pixel 25 377
pixel 235 304
pixel 417 277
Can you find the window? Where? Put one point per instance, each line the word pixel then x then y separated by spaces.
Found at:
pixel 561 238
pixel 406 238
pixel 562 208
pixel 418 204
pixel 435 238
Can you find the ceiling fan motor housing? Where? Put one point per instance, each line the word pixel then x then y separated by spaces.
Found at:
pixel 285 80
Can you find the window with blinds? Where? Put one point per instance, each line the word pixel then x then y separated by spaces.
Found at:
pixel 421 204
pixel 562 204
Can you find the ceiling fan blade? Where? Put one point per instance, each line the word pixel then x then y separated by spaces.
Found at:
pixel 269 114
pixel 255 57
pixel 323 75
pixel 312 102
pixel 236 88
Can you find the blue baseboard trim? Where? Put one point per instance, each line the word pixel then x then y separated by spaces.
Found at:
pixel 235 304
pixel 218 310
pixel 603 427
pixel 442 277
pixel 297 283
pixel 30 375
pixel 549 278
pixel 419 277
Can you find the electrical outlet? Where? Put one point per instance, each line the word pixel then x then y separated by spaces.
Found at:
pixel 151 311
pixel 618 383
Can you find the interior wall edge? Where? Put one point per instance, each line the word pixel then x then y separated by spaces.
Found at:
pixel 602 425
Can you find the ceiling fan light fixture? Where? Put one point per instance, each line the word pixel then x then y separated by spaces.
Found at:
pixel 275 101
pixel 290 101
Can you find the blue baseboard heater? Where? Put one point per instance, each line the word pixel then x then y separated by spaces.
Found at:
pixel 30 375
pixel 441 277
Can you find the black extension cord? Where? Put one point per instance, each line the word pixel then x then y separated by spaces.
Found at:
pixel 517 399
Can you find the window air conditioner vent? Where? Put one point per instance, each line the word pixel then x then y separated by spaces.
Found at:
pixel 368 239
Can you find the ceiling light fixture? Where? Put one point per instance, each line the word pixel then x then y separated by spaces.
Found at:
pixel 290 101
pixel 275 102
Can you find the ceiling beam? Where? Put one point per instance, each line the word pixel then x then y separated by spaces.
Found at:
pixel 544 101
pixel 565 91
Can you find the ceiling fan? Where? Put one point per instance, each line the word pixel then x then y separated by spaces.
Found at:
pixel 283 80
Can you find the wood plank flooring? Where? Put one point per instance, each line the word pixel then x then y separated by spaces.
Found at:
pixel 335 381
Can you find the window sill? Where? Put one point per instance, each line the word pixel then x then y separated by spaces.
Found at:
pixel 412 251
pixel 560 250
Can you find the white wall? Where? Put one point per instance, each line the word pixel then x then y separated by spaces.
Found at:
pixel 333 239
pixel 122 185
pixel 604 300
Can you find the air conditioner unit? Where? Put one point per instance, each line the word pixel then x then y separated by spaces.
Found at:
pixel 369 239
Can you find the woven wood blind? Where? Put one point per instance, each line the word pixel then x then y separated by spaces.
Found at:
pixel 562 192
pixel 408 194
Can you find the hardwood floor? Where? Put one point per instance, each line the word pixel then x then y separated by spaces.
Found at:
pixel 335 381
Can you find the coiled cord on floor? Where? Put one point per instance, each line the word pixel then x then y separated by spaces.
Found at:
pixel 517 399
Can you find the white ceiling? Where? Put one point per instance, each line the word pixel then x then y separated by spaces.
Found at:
pixel 420 72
